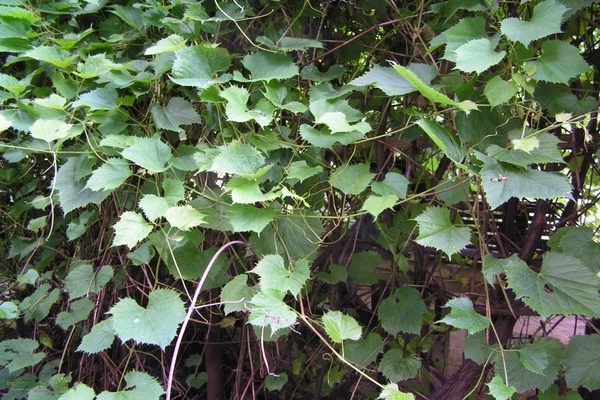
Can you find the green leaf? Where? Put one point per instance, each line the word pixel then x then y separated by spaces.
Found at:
pixel 174 191
pixel 391 392
pixel 72 193
pixel 522 378
pixel 564 285
pixel 402 311
pixel 133 17
pixel 178 112
pixel 265 66
pixel 375 204
pixel 460 33
pixel 244 191
pixel 11 84
pixel 397 368
pixel 501 183
pixel 493 267
pixel 558 63
pixel 553 394
pixel 336 274
pixel 104 99
pixel 110 175
pixel 100 338
pixel 37 306
pixel 16 354
pixel 364 351
pixel 436 230
pixel 268 309
pixel 499 91
pixel 477 349
pixel 170 43
pixel 82 279
pixel 337 123
pixel 80 391
pixel 432 94
pixel 276 382
pixel 49 130
pixel 362 267
pixel 8 310
pixel 534 358
pixel 246 218
pixel 499 389
pixel 131 229
pixel 154 207
pixel 301 170
pixel 79 311
pixel 156 324
pixel 463 316
pixel 184 217
pixel 274 275
pixel 198 66
pixel 478 55
pixel 96 65
pixel 393 184
pixel 238 159
pixel 582 363
pixel 149 153
pixel 351 179
pixel 236 293
pixel 325 139
pixel 579 243
pixel 340 327
pixel 528 148
pixel 546 20
pixel 445 140
pixel 390 82
pixel 58 57
pixel 140 386
pixel 558 98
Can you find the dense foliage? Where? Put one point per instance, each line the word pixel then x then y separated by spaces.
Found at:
pixel 284 199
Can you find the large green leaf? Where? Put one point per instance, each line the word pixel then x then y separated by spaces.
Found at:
pixel 184 217
pixel 393 184
pixel 103 99
pixel 325 139
pixel 463 316
pixel 170 43
pixel 460 33
pixel 364 351
pixel 558 63
pixel 375 204
pixel 579 242
pixel 79 311
pixel 82 279
pixel 236 293
pixel 275 275
pixel 391 392
pixel 436 230
pixel 149 153
pixel 100 338
pixel 402 311
pixel 499 389
pixel 582 363
pixel 390 82
pixel 546 20
pixel 351 179
pixel 198 66
pixel 156 323
pixel 53 55
pixel 140 386
pixel 478 55
pixel 528 147
pixel 269 310
pixel 238 159
pixel 246 217
pixel 340 327
pixel 564 285
pixel 50 129
pixel 178 112
pixel 501 183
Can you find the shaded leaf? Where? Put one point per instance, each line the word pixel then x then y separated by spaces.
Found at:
pixel 149 153
pixel 72 193
pixel 104 99
pixel 265 66
pixel 364 351
pixel 396 367
pixel 564 285
pixel 79 311
pixel 445 140
pixel 460 33
pixel 582 362
pixel 140 386
pixel 352 179
pixel 110 175
pixel 499 91
pixel 393 184
pixel 178 112
pixel 236 293
pixel 402 311
pixel 82 279
pixel 246 218
pixel 528 148
pixel 558 63
pixel 362 267
pixel 579 242
pixel 478 55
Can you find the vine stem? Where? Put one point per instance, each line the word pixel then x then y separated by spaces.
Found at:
pixel 191 310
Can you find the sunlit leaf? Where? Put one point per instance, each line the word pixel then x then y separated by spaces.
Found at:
pixel 140 385
pixel 110 175
pixel 53 55
pixel 156 323
pixel 153 206
pixel 246 218
pixel 436 230
pixel 340 327
pixel 499 389
pixel 50 129
pixel 98 99
pixel 393 184
pixel 460 33
pixel 198 66
pixel 390 82
pixel 149 153
pixel 268 309
pixel 546 20
pixel 478 55
pixel 131 229
pixel 236 293
pixel 238 159
pixel 301 170
pixel 391 392
pixel 245 191
pixel 170 43
pixel 528 148
pixel 266 66
pixel 463 316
